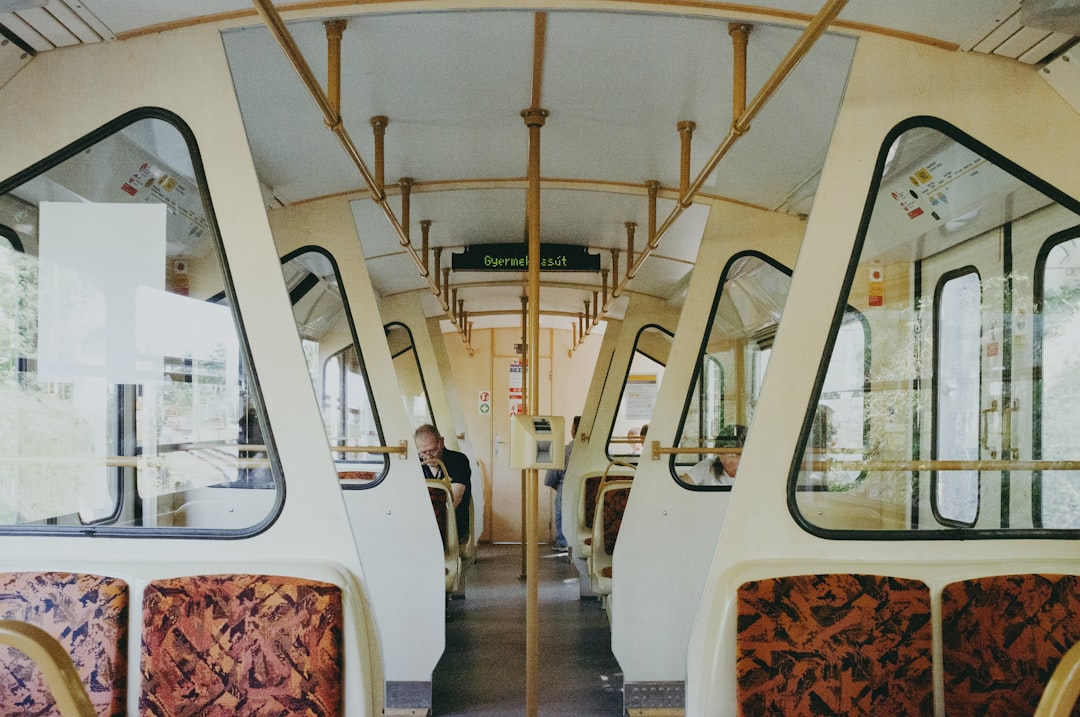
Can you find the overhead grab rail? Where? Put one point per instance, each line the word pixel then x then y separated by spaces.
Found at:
pixel 739 126
pixel 55 664
pixel 329 105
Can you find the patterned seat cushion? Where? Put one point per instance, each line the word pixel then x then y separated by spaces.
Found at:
pixel 88 614
pixel 614 507
pixel 1002 638
pixel 834 644
pixel 241 645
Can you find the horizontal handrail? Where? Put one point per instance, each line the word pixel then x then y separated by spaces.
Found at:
pixel 55 664
pixel 943 465
pixel 658 450
pixel 1063 688
pixel 402 449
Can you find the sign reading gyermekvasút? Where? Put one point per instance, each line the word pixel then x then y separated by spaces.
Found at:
pixel 515 257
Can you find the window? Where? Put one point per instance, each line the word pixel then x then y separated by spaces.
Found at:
pixel 1057 492
pixel 325 326
pixel 126 396
pixel 733 359
pixel 638 397
pixel 969 429
pixel 409 375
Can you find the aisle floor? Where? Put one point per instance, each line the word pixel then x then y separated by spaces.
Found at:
pixel 482 671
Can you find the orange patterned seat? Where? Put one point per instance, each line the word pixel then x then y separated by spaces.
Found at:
pixel 242 645
pixel 1002 637
pixel 614 508
pixel 88 614
pixel 834 644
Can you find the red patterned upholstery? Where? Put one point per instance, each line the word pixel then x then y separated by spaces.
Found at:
pixel 356 475
pixel 614 507
pixel 592 488
pixel 1002 638
pixel 241 646
pixel 834 645
pixel 88 614
pixel 438 504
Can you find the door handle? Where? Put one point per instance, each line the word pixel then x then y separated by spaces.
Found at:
pixel 984 427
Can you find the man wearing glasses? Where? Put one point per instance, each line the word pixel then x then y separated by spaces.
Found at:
pixel 430 448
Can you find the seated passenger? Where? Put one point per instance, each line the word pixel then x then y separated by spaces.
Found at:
pixel 719 469
pixel 430 447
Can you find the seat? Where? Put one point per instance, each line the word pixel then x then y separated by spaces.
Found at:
pixel 838 644
pixel 610 506
pixel 88 615
pixel 442 503
pixel 586 503
pixel 242 645
pixel 1002 638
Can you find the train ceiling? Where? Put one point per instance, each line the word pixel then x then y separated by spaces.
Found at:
pixel 616 78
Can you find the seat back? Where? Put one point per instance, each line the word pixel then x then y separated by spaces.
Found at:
pixel 442 503
pixel 835 644
pixel 241 644
pixel 1002 637
pixel 613 500
pixel 88 615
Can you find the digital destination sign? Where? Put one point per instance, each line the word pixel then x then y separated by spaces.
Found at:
pixel 514 256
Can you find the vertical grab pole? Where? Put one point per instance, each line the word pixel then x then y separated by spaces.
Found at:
pixel 534 120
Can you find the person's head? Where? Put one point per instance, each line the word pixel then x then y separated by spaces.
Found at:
pixel 574 426
pixel 429 442
pixel 645 430
pixel 728 463
pixel 633 434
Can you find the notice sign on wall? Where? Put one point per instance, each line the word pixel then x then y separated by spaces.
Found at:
pixel 517 391
pixel 640 396
pixel 484 406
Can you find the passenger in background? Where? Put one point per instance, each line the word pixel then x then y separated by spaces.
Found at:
pixel 554 479
pixel 430 447
pixel 635 445
pixel 721 469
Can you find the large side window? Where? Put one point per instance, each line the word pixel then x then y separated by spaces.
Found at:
pixel 970 305
pixel 335 364
pixel 126 395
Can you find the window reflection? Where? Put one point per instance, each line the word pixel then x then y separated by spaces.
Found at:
pixel 967 402
pixel 335 367
pixel 124 392
pixel 638 398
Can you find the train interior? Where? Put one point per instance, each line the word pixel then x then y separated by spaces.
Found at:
pixel 824 376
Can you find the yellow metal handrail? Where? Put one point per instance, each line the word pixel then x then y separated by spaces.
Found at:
pixel 1061 691
pixel 402 449
pixel 658 450
pixel 55 664
pixel 943 465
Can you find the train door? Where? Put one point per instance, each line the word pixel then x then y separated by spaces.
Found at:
pixel 967 412
pixel 980 299
pixel 508 381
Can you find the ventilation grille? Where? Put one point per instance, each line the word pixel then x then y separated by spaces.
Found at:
pixel 50 24
pixel 1007 36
